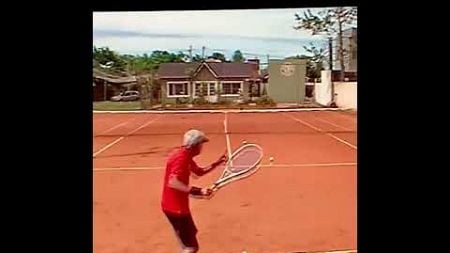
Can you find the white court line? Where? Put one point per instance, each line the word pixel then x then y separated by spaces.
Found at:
pixel 122 137
pixel 339 251
pixel 119 125
pixel 334 124
pixel 344 116
pixel 332 251
pixel 228 110
pixel 343 251
pixel 225 126
pixel 341 140
pixel 263 165
pixel 321 131
pixel 114 127
pixel 108 146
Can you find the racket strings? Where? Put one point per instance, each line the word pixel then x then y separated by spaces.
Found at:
pixel 242 164
pixel 245 159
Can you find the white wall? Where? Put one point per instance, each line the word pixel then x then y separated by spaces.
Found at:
pixel 347 96
pixel 346 92
pixel 322 91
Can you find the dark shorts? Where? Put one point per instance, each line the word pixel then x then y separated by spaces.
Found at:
pixel 185 229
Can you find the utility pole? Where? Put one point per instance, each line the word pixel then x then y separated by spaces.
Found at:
pixel 330 52
pixel 330 56
pixel 190 53
pixel 203 52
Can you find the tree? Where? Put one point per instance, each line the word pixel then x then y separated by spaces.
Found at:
pixel 331 22
pixel 133 63
pixel 238 57
pixel 311 70
pixel 140 65
pixel 144 70
pixel 104 56
pixel 163 56
pixel 197 58
pixel 218 56
pixel 316 60
pixel 181 57
pixel 143 67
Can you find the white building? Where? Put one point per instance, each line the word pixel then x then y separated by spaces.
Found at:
pixel 351 51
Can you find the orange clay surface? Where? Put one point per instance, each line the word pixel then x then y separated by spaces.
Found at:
pixel 304 201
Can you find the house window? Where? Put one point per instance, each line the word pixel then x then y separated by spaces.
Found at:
pixel 208 88
pixel 178 89
pixel 231 88
pixel 212 89
pixel 201 88
pixel 198 89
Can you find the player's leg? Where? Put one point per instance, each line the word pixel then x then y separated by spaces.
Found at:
pixel 176 223
pixel 188 234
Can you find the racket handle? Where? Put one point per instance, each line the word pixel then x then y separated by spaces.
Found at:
pixel 214 187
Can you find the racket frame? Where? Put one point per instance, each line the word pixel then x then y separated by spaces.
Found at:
pixel 233 176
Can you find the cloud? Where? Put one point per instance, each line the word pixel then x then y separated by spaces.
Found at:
pixel 253 23
pixel 101 34
pixel 277 39
pixel 260 31
pixel 129 34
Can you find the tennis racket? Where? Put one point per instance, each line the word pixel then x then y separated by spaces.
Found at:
pixel 242 163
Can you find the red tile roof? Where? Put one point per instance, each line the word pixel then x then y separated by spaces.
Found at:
pixel 221 69
pixel 231 69
pixel 176 69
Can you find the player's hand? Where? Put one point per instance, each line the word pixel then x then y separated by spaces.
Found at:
pixel 201 192
pixel 221 160
pixel 206 192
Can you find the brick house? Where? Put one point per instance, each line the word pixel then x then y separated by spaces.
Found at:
pixel 212 77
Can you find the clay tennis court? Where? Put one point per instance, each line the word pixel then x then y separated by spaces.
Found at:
pixel 305 201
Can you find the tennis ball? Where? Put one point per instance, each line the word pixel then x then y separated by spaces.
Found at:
pixel 244 142
pixel 271 159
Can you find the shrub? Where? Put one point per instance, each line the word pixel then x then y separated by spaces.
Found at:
pixel 265 100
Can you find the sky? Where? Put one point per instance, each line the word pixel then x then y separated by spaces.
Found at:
pixel 257 33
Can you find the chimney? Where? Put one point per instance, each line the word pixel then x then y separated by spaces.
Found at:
pixel 255 62
pixel 255 65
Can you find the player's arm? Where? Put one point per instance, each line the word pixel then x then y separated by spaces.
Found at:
pixel 199 171
pixel 177 184
pixel 194 191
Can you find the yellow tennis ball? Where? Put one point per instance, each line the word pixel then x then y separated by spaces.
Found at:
pixel 244 142
pixel 271 159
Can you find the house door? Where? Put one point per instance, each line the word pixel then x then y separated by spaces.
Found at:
pixel 212 92
pixel 254 89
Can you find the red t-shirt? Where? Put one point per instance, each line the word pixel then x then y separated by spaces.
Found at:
pixel 179 164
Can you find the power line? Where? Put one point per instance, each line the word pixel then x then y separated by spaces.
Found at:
pixel 243 52
pixel 220 50
pixel 203 53
pixel 283 61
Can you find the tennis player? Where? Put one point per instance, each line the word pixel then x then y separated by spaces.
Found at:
pixel 176 189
